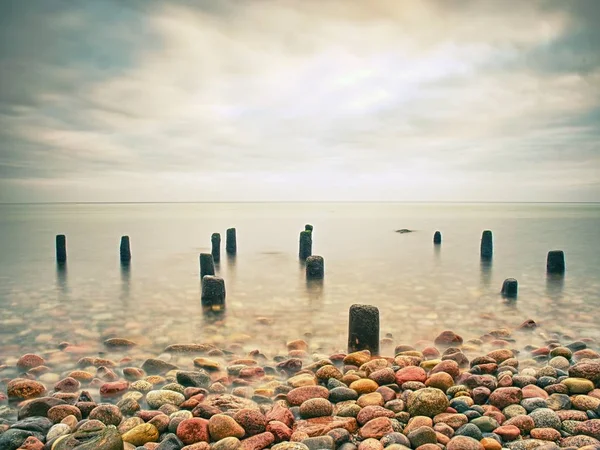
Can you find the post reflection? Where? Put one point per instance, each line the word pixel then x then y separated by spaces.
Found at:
pixel 555 283
pixel 61 277
pixel 486 271
pixel 125 280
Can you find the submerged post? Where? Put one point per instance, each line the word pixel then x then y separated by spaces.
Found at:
pixel 510 288
pixel 308 227
pixel 213 292
pixel 555 262
pixel 305 244
pixel 315 267
pixel 487 245
pixel 437 238
pixel 231 242
pixel 215 239
pixel 61 248
pixel 207 265
pixel 125 250
pixel 363 329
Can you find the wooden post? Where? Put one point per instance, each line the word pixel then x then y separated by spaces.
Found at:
pixel 125 250
pixel 487 245
pixel 231 242
pixel 61 248
pixel 305 244
pixel 510 288
pixel 363 329
pixel 437 238
pixel 315 267
pixel 215 240
pixel 207 265
pixel 555 262
pixel 213 292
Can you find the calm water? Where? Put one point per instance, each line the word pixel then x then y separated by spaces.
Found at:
pixel 419 289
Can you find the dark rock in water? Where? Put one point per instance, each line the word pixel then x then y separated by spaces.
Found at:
pixel 315 267
pixel 34 424
pixel 13 438
pixel 157 366
pixel 196 378
pixel 363 329
pixel 39 407
pixel 125 250
pixel 555 262
pixel 510 288
pixel 437 237
pixel 213 292
pixel 231 242
pixel 305 247
pixel 215 240
pixel 207 264
pixel 487 245
pixel 61 248
pixel 404 230
pixel 105 439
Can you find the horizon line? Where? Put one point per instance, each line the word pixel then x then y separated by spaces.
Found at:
pixel 295 201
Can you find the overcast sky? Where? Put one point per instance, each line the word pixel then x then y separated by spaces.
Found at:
pixel 208 100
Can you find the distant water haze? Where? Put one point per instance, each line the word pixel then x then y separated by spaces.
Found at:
pixel 419 288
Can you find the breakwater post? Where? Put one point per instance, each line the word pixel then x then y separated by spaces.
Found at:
pixel 215 240
pixel 213 292
pixel 207 265
pixel 61 248
pixel 363 329
pixel 315 267
pixel 555 262
pixel 125 250
pixel 305 244
pixel 510 288
pixel 437 238
pixel 487 244
pixel 308 227
pixel 231 242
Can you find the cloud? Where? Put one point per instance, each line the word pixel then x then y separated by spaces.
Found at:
pixel 264 100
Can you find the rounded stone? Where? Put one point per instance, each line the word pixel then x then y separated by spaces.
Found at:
pixel 24 389
pixel 193 430
pixel 427 402
pixel 141 434
pixel 107 414
pixel 221 426
pixel 545 418
pixel 463 443
pixel 156 399
pixel 253 422
pixel 316 407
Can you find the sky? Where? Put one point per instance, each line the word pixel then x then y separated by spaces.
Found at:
pixel 299 100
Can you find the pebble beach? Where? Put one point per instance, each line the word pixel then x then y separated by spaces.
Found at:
pixel 489 392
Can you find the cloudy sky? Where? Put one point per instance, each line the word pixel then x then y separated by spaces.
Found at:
pixel 208 100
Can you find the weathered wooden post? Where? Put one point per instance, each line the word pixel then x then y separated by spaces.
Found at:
pixel 215 240
pixel 125 250
pixel 207 265
pixel 315 267
pixel 437 238
pixel 510 288
pixel 487 244
pixel 308 227
pixel 61 248
pixel 305 244
pixel 213 292
pixel 231 242
pixel 555 262
pixel 363 329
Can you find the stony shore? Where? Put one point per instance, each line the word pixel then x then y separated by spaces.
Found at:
pixel 445 394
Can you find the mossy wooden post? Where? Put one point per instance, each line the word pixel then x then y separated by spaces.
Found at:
pixel 555 262
pixel 510 288
pixel 125 250
pixel 363 329
pixel 315 267
pixel 308 227
pixel 207 265
pixel 213 293
pixel 215 240
pixel 61 248
pixel 231 242
pixel 437 238
pixel 305 244
pixel 487 245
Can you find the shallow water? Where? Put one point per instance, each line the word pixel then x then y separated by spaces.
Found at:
pixel 420 289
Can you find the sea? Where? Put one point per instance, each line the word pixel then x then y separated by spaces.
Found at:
pixel 420 289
